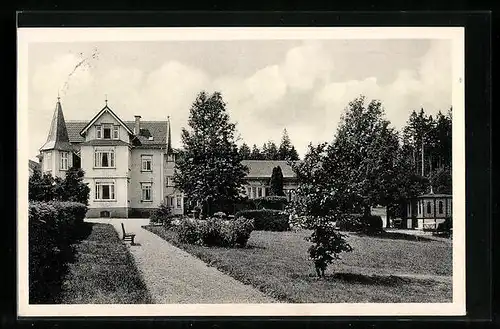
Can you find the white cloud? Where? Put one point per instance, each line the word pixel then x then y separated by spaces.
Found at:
pixel 266 86
pixel 60 76
pixel 428 86
pixel 305 65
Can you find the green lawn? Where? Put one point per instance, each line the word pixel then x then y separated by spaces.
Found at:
pixel 103 272
pixel 378 270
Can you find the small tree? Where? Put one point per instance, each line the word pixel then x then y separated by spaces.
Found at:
pixel 318 200
pixel 327 246
pixel 276 182
pixel 73 188
pixel 41 187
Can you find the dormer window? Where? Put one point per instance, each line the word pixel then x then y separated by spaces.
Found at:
pixel 98 132
pixel 106 131
pixel 116 132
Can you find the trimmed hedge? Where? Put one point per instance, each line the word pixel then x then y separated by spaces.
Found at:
pixel 53 226
pixel 271 202
pixel 267 219
pixel 360 223
pixel 215 232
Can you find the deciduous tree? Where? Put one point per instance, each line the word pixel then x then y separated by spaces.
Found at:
pixel 210 168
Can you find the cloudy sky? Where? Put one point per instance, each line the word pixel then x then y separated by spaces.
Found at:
pixel 269 85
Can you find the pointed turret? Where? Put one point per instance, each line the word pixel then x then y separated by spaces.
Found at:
pixel 58 135
pixel 169 136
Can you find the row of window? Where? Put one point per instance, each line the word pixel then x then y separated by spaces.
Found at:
pixel 105 191
pixel 107 131
pixel 429 207
pixel 254 192
pixel 102 159
pixel 106 159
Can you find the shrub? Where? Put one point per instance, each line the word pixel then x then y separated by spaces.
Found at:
pixel 271 202
pixel 372 224
pixel 210 232
pixel 47 188
pixel 267 219
pixel 368 224
pixel 53 227
pixel 215 232
pixel 349 222
pixel 162 214
pixel 189 231
pixel 242 228
pixel 327 245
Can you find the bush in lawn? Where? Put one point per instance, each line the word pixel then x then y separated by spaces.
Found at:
pixel 242 228
pixel 210 232
pixel 327 245
pixel 271 202
pixel 215 232
pixel 189 231
pixel 53 227
pixel 371 224
pixel 267 219
pixel 162 214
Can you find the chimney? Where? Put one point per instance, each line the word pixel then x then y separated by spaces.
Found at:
pixel 137 127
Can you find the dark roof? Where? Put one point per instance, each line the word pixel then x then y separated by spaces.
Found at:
pixel 157 129
pixel 58 135
pixel 105 142
pixel 74 128
pixel 264 168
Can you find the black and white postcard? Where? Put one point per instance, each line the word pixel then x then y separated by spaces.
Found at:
pixel 241 171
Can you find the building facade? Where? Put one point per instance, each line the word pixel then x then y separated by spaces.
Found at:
pixel 429 210
pixel 129 165
pixel 258 178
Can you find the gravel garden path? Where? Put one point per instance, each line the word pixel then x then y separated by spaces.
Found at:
pixel 174 276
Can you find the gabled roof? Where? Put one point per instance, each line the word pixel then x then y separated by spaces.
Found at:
pixel 264 168
pixel 157 129
pixel 58 135
pixel 98 115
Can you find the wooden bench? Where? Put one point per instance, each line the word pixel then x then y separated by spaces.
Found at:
pixel 128 236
